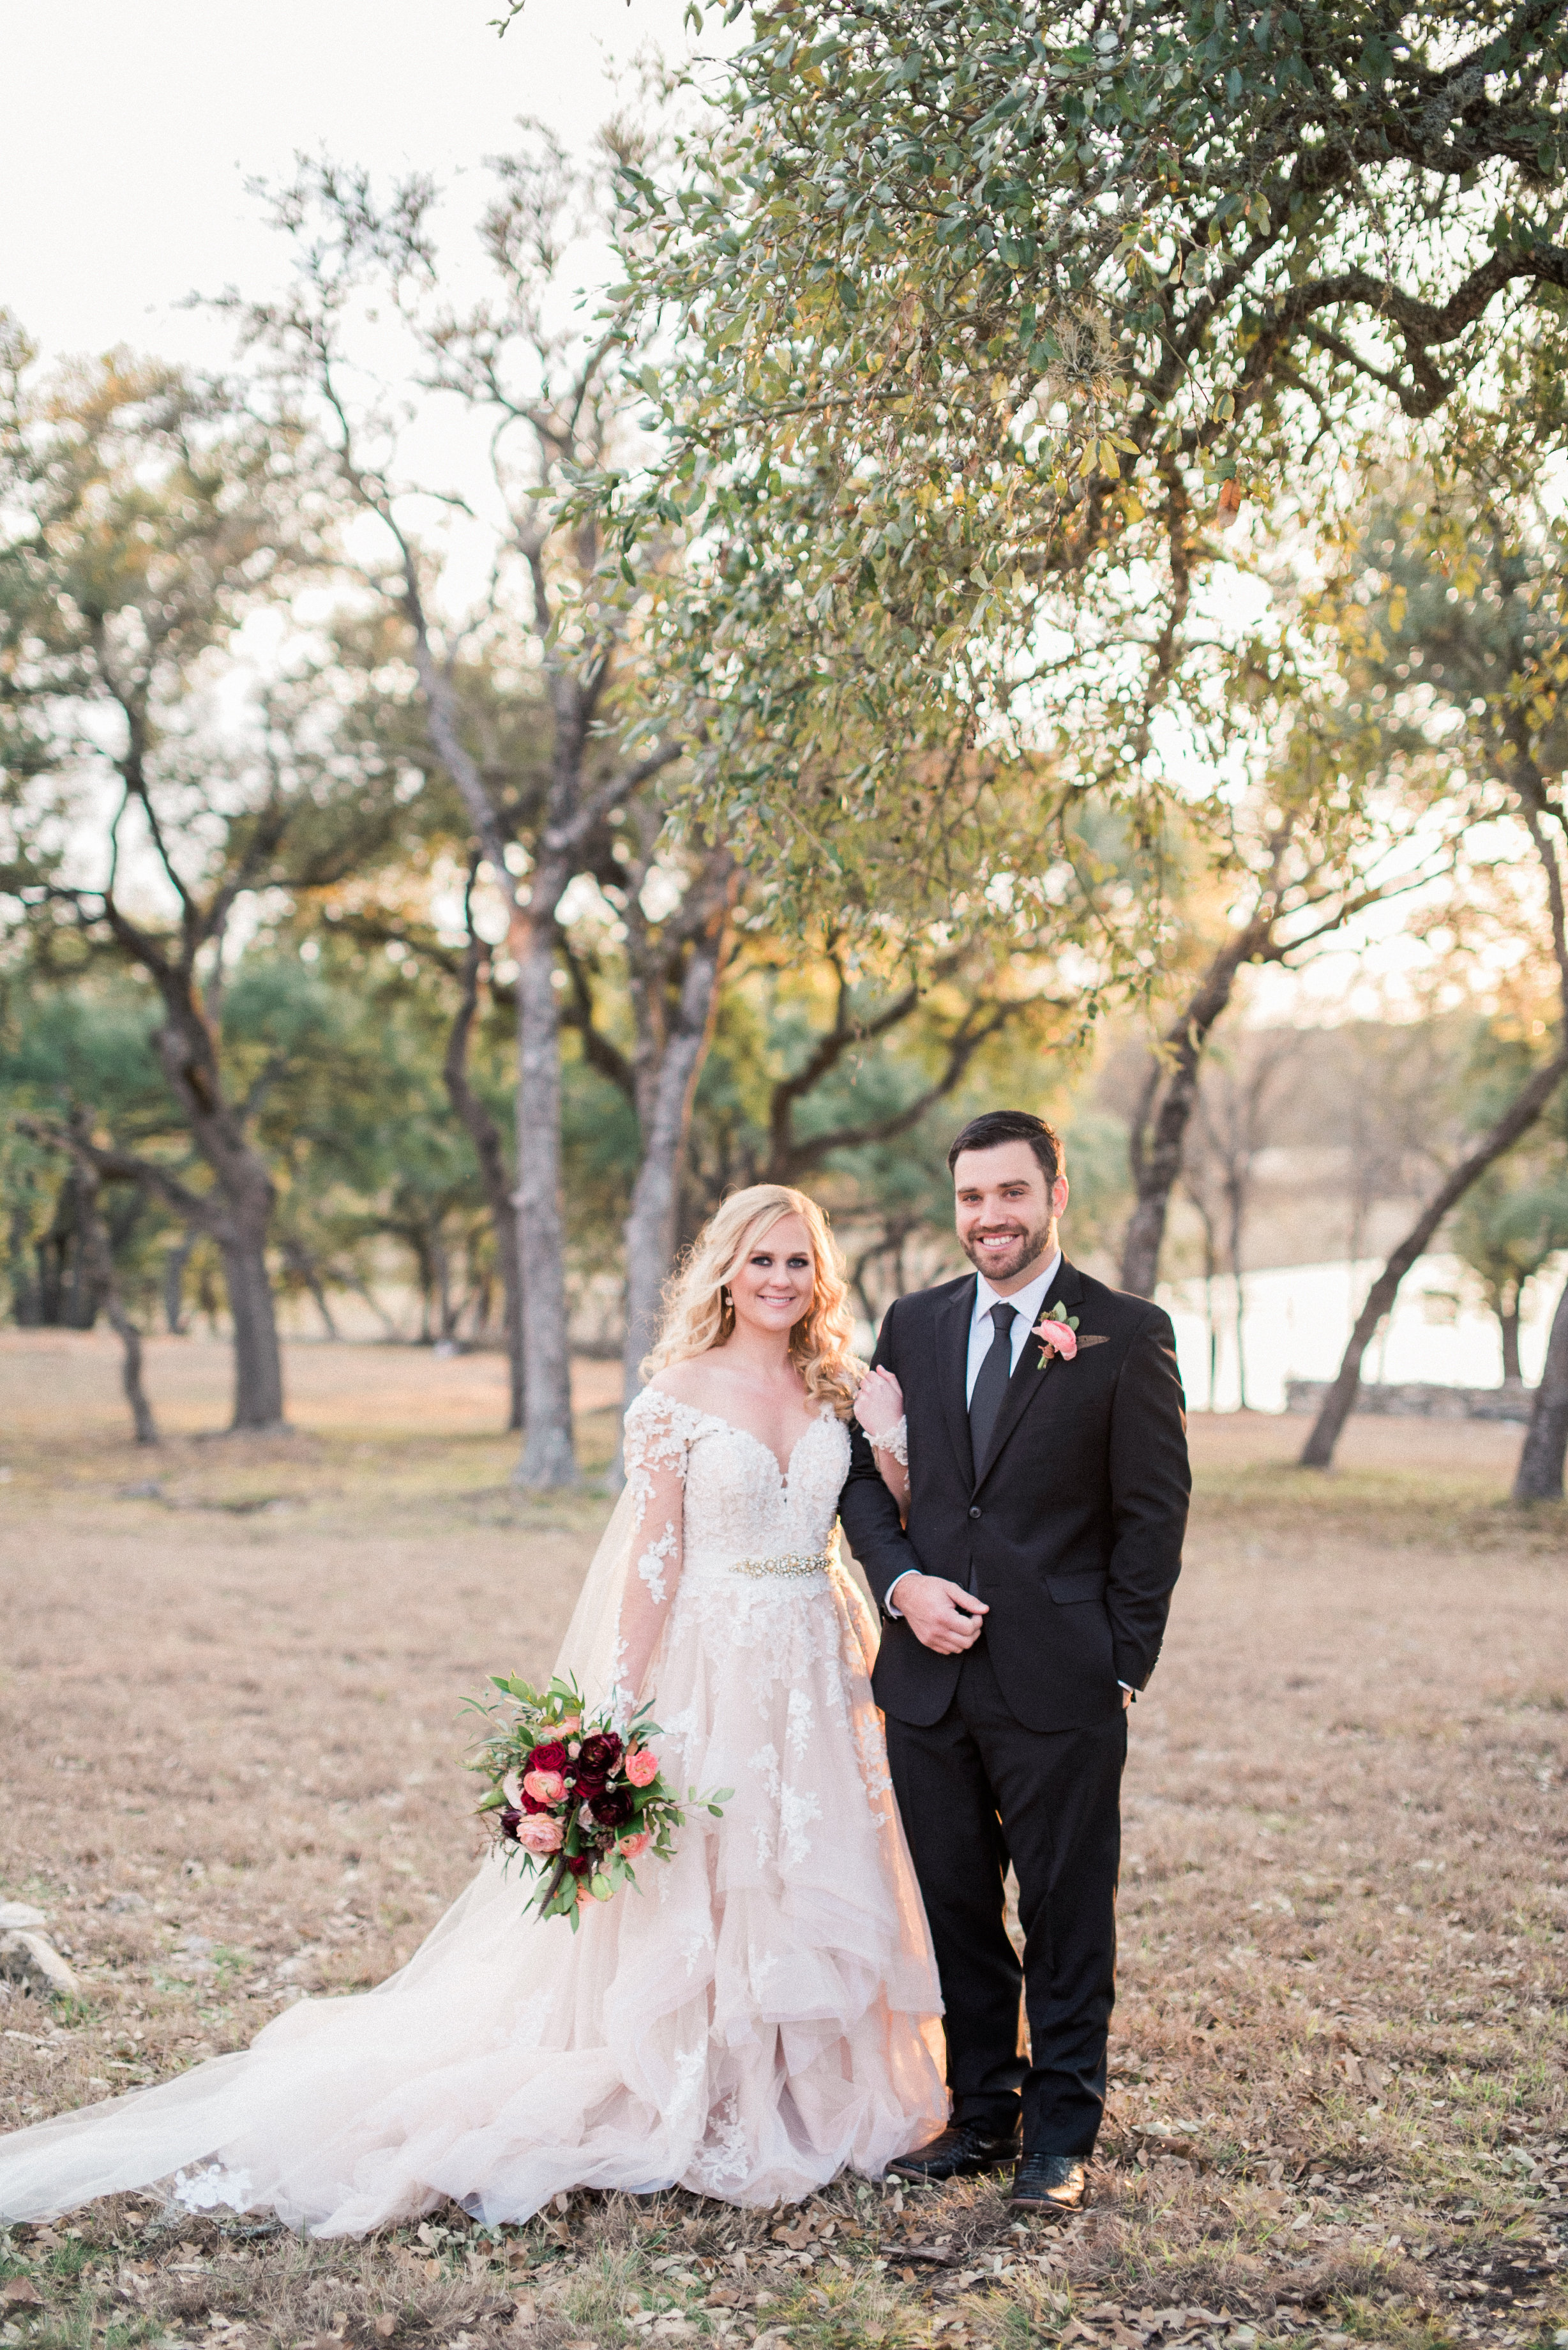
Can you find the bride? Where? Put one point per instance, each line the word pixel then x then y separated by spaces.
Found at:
pixel 762 2009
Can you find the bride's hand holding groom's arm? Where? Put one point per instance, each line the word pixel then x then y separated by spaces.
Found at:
pixel 879 1408
pixel 943 1616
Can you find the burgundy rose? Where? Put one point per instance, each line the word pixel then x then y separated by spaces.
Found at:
pixel 552 1756
pixel 597 1757
pixel 615 1807
pixel 579 1863
pixel 508 1822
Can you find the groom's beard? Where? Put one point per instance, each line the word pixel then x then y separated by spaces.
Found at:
pixel 1000 1264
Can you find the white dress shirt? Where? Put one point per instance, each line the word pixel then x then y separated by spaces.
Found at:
pixel 1029 1303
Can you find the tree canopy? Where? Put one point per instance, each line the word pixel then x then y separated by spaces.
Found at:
pixel 980 322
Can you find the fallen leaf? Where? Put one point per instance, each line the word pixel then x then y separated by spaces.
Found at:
pixel 386 2327
pixel 21 2290
pixel 525 2309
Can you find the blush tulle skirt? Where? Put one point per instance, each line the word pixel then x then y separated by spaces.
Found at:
pixel 760 2013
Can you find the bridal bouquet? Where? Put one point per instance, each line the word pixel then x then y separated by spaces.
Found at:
pixel 571 1797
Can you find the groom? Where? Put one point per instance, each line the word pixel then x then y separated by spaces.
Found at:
pixel 1024 1606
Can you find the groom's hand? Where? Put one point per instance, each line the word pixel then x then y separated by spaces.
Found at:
pixel 943 1616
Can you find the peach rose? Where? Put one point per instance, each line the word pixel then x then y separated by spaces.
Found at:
pixel 642 1766
pixel 539 1835
pixel 545 1786
pixel 629 1846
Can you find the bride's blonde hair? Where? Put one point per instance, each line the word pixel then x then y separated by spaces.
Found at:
pixel 698 1313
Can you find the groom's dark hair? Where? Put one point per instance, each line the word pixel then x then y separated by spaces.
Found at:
pixel 994 1126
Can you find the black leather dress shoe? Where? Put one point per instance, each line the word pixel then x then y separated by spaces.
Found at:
pixel 962 2151
pixel 1048 2182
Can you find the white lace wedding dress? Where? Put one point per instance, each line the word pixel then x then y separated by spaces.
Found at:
pixel 760 2014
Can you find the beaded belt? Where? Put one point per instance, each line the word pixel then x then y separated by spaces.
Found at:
pixel 790 1562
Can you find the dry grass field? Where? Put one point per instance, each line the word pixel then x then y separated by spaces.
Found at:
pixel 230 1747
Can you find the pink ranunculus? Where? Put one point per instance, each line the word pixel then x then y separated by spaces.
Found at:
pixel 545 1786
pixel 570 1725
pixel 629 1846
pixel 1059 1338
pixel 539 1835
pixel 641 1766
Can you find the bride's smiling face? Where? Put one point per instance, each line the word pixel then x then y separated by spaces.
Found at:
pixel 773 1286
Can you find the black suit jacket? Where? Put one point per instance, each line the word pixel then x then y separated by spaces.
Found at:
pixel 1071 1531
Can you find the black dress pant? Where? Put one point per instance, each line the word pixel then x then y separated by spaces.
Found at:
pixel 974 1789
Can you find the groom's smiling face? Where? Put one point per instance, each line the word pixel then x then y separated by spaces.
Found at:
pixel 1005 1211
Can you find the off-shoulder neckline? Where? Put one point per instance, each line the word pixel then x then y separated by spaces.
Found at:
pixel 695 1411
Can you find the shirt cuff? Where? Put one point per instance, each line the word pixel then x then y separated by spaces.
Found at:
pixel 887 1594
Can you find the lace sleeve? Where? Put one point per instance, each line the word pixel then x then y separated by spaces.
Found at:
pixel 895 1443
pixel 656 1438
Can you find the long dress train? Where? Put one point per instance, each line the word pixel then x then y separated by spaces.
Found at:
pixel 760 2013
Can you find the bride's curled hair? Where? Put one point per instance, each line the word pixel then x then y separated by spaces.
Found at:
pixel 698 1313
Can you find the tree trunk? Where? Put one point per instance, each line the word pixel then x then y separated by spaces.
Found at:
pixel 1340 1400
pixel 302 1264
pixel 258 1359
pixel 548 1459
pixel 25 1303
pixel 1540 1474
pixel 667 1069
pixel 1237 1201
pixel 236 1214
pixel 97 1259
pixel 440 1263
pixel 545 1404
pixel 1169 1096
pixel 176 1257
pixel 1508 1320
pixel 100 1259
pixel 129 1338
pixel 486 1137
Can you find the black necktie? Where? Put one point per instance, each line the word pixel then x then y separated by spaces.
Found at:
pixel 990 1385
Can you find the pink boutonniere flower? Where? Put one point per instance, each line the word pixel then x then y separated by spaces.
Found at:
pixel 1058 1331
pixel 1059 1340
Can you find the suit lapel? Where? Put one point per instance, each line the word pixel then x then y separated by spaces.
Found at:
pixel 1031 1374
pixel 954 1315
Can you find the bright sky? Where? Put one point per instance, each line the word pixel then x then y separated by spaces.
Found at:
pixel 127 134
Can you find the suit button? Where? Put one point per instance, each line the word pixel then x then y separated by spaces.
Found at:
pixel 975 1512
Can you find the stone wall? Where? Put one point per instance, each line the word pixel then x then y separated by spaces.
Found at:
pixel 1416 1400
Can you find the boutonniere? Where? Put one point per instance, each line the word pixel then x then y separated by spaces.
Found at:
pixel 1058 1332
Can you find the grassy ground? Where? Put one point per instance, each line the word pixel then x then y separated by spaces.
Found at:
pixel 230 1676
